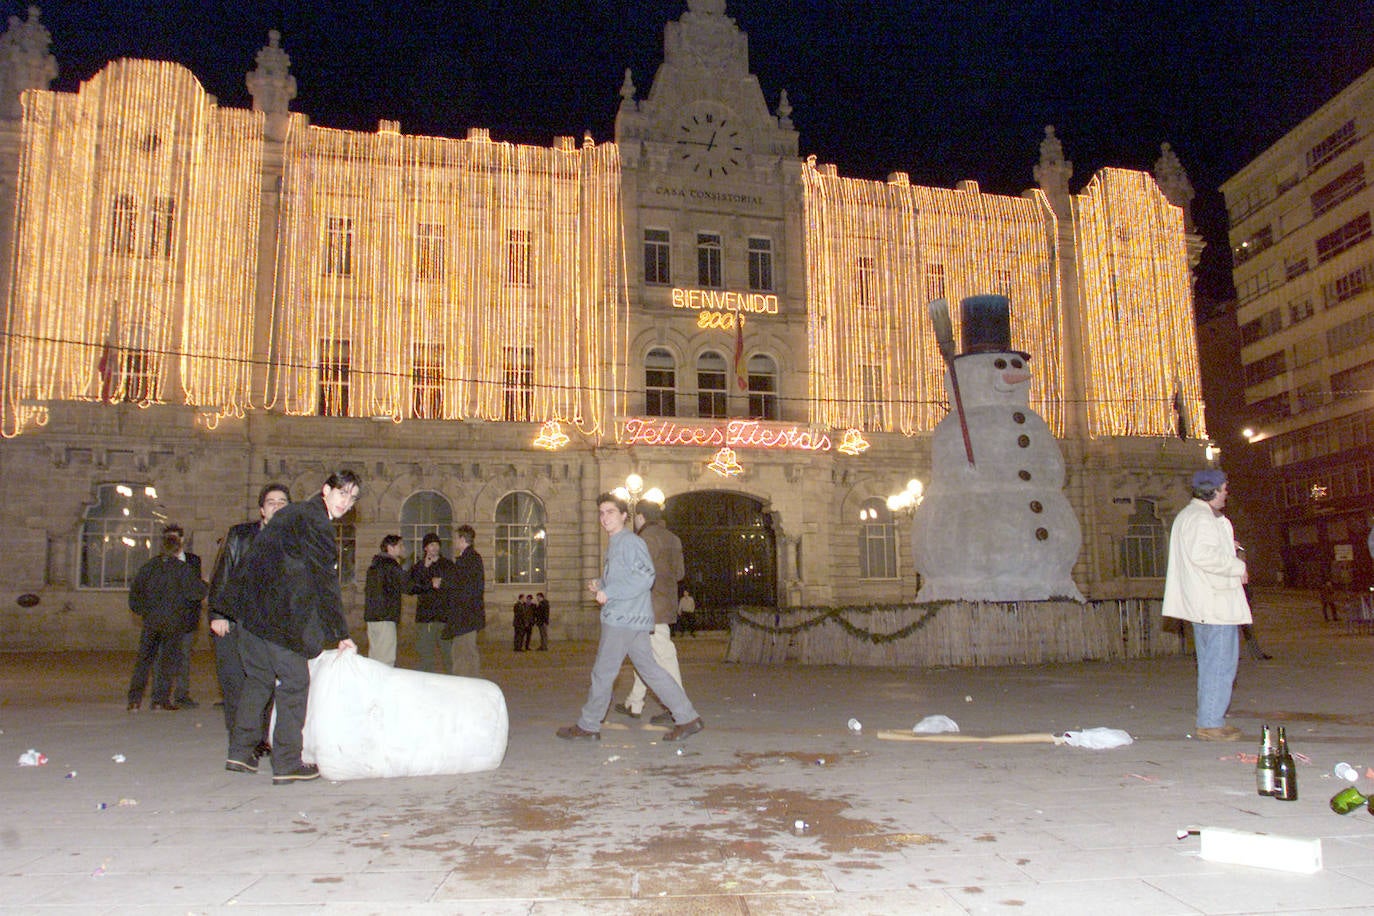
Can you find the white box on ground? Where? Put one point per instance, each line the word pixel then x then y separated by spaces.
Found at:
pixel 1261 850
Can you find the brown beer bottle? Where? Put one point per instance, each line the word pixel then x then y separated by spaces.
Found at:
pixel 1285 771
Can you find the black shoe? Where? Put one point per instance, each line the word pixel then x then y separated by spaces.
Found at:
pixel 187 703
pixel 625 711
pixel 238 766
pixel 576 732
pixel 685 730
pixel 305 771
pixel 262 750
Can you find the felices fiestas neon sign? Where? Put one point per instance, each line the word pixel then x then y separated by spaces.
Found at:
pixel 719 308
pixel 732 433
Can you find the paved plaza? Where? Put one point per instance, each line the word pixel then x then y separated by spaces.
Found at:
pixel 634 825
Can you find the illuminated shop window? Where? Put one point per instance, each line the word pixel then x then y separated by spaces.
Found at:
pixel 763 388
pixel 338 247
pixel 335 361
pixel 657 266
pixel 660 384
pixel 877 541
pixel 708 260
pixel 520 538
pixel 119 533
pixel 761 264
pixel 712 396
pixel 427 381
pixel 518 383
pixel 426 512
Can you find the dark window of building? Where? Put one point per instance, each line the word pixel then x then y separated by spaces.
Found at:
pixel 866 282
pixel 520 540
pixel 334 378
pixel 1299 310
pixel 346 547
pixel 429 251
pixel 1348 285
pixel 1265 368
pixel 935 281
pixel 712 396
pixel 1355 382
pixel 1347 236
pixel 763 388
pixel 871 396
pixel 427 381
pixel 162 229
pixel 1261 327
pixel 519 257
pixel 518 383
pixel 760 264
pixel 1343 187
pixel 338 247
pixel 1145 549
pixel 123 224
pixel 119 534
pixel 1262 239
pixel 657 264
pixel 1331 146
pixel 709 273
pixel 660 384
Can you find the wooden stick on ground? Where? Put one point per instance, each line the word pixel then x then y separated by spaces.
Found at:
pixel 947 738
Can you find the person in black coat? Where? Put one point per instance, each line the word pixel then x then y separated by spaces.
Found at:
pixel 432 581
pixel 467 605
pixel 385 584
pixel 163 590
pixel 286 595
pixel 223 632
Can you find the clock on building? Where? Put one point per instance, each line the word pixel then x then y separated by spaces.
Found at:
pixel 707 140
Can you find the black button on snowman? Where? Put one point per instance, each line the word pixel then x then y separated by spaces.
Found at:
pixel 995 524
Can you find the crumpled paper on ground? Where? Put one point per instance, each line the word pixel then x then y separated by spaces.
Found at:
pixel 935 725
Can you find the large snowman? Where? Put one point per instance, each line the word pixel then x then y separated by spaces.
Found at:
pixel 998 528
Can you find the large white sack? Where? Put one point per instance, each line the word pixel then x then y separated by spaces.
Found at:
pixel 366 719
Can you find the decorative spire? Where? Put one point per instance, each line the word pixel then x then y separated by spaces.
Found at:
pixel 272 85
pixel 1054 171
pixel 627 91
pixel 707 7
pixel 1173 181
pixel 784 110
pixel 25 62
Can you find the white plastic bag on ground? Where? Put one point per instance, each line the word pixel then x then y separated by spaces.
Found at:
pixel 935 725
pixel 1098 739
pixel 368 720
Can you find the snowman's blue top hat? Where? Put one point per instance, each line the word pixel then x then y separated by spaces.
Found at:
pixel 986 325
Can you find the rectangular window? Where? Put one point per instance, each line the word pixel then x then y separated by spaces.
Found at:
pixel 1350 334
pixel 1344 186
pixel 1348 285
pixel 1261 327
pixel 1262 239
pixel 657 244
pixel 1295 267
pixel 709 274
pixel 866 283
pixel 1309 396
pixel 760 264
pixel 427 381
pixel 1347 236
pixel 334 371
pixel 139 384
pixel 1331 146
pixel 871 382
pixel 712 397
pixel 338 247
pixel 123 224
pixel 1261 370
pixel 429 251
pixel 345 549
pixel 162 228
pixel 517 382
pixel 935 282
pixel 1299 310
pixel 763 396
pixel 660 387
pixel 1357 381
pixel 519 257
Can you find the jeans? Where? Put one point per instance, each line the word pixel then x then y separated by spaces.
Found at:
pixel 435 653
pixel 1218 651
pixel 616 643
pixel 665 653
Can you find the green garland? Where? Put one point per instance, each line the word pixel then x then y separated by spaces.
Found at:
pixel 837 615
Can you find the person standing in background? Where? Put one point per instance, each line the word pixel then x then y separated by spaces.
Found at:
pixel 541 620
pixel 181 680
pixel 431 582
pixel 223 631
pixel 521 623
pixel 382 591
pixel 162 590
pixel 467 609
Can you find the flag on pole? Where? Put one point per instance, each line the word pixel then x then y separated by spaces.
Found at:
pixel 741 367
pixel 109 360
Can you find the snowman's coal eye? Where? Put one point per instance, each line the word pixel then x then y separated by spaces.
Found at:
pixel 1017 364
pixel 1000 364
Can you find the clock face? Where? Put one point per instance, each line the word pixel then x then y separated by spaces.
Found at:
pixel 707 141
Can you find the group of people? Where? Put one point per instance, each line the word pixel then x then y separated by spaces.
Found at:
pixel 450 603
pixel 531 611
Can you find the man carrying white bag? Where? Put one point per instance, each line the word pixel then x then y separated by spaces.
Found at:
pixel 367 720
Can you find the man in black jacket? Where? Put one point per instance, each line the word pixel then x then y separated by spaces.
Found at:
pixel 224 634
pixel 386 583
pixel 431 581
pixel 162 591
pixel 286 594
pixel 467 605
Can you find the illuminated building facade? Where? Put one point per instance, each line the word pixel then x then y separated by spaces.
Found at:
pixel 200 300
pixel 1304 273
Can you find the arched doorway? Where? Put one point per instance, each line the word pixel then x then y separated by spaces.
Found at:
pixel 729 548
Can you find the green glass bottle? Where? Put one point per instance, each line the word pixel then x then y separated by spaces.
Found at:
pixel 1264 766
pixel 1285 771
pixel 1348 799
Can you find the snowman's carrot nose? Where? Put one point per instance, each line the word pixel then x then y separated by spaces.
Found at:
pixel 1015 376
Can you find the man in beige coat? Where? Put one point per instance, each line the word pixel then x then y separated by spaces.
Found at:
pixel 666 551
pixel 1206 586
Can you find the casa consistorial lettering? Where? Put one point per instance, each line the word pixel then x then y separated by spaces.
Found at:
pixel 734 433
pixel 720 300
pixel 719 197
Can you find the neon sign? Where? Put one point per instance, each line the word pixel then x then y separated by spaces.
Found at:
pixel 729 434
pixel 718 300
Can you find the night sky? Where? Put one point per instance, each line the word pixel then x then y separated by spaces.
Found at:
pixel 944 91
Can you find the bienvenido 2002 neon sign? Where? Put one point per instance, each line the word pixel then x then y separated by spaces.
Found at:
pixel 718 308
pixel 734 433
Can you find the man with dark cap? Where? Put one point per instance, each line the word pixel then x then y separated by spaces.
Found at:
pixel 431 580
pixel 1205 585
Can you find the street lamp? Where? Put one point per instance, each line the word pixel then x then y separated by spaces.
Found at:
pixel 906 501
pixel 633 491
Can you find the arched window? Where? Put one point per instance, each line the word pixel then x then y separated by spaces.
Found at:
pixel 763 388
pixel 346 547
pixel 520 536
pixel 877 541
pixel 119 533
pixel 1145 549
pixel 423 512
pixel 712 395
pixel 660 384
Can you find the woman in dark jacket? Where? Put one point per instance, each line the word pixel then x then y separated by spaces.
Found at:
pixel 161 593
